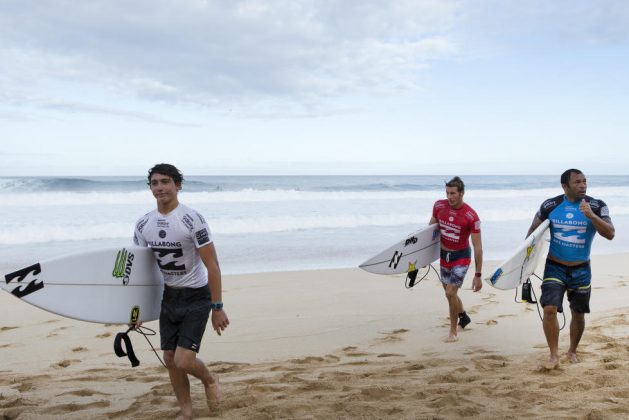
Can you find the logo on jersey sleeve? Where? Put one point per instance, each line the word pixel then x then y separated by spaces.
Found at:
pixel 203 236
pixel 141 224
pixel 187 220
pixel 201 219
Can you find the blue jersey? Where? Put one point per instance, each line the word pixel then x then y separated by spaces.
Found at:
pixel 571 233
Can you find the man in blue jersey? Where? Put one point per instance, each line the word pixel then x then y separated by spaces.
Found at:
pixel 574 220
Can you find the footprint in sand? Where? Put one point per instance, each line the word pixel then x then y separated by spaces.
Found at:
pixel 73 407
pixel 391 336
pixel 83 393
pixel 307 360
pixel 408 367
pixel 3 329
pixel 490 362
pixel 104 335
pixel 351 351
pixel 491 322
pixel 382 355
pixel 227 367
pixel 65 363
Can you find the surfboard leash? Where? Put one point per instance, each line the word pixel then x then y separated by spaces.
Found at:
pixel 411 277
pixel 534 299
pixel 124 337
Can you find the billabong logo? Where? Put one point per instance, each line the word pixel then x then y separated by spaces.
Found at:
pixel 29 286
pixel 135 314
pixel 395 260
pixel 123 266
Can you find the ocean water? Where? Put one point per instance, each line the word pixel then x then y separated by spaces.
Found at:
pixel 280 223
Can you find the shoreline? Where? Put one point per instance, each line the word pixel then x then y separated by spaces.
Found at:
pixel 341 343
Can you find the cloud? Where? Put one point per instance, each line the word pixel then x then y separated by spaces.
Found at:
pixel 101 110
pixel 560 22
pixel 212 53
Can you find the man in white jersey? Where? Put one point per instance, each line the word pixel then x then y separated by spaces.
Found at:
pixel 182 243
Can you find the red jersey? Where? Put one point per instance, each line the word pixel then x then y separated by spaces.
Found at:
pixel 455 225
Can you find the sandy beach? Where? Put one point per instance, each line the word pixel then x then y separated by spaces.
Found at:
pixel 333 344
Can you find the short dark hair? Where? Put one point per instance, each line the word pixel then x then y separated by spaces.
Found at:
pixel 456 182
pixel 565 177
pixel 168 170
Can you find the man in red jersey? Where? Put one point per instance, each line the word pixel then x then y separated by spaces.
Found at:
pixel 457 222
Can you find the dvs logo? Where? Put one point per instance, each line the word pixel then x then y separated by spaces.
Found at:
pixel 123 266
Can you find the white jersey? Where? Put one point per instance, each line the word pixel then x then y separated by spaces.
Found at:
pixel 174 239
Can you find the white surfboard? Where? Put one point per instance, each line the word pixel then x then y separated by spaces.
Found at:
pixel 415 251
pixel 523 262
pixel 109 286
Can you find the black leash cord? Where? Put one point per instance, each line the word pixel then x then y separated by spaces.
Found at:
pixel 408 280
pixel 140 330
pixel 124 338
pixel 537 304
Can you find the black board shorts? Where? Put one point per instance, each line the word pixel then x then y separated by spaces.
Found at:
pixel 183 318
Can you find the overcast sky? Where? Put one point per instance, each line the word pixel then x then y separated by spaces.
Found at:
pixel 314 87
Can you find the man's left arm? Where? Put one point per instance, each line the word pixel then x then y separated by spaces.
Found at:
pixel 603 225
pixel 477 283
pixel 210 260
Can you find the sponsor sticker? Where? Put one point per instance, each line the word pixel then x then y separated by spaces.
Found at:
pixel 203 236
pixel 31 283
pixel 135 315
pixel 123 266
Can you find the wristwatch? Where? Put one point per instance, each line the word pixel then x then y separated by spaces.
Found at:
pixel 216 306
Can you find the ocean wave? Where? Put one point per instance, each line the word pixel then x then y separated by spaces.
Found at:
pixel 64 198
pixel 323 184
pixel 42 232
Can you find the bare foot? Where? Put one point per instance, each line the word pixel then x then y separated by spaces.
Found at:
pixel 451 338
pixel 182 417
pixel 551 363
pixel 213 393
pixel 572 357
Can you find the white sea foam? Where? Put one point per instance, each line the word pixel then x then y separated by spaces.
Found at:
pixel 270 224
pixel 247 195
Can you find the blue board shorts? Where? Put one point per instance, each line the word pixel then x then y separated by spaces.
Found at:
pixel 454 275
pixel 575 280
pixel 184 315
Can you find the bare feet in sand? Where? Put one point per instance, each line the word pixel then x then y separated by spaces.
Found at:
pixel 451 338
pixel 572 357
pixel 213 393
pixel 551 363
